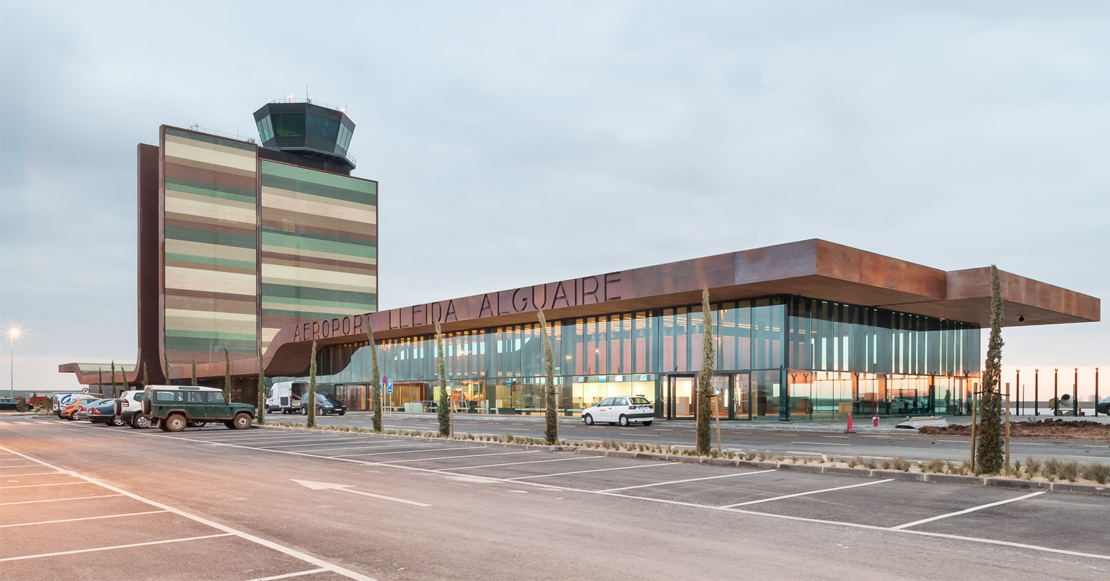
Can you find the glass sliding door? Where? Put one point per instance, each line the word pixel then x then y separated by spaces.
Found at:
pixel 766 394
pixel 743 394
pixel 680 397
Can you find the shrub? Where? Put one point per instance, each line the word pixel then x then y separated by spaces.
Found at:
pixel 1032 466
pixel 794 459
pixel 1069 470
pixel 1098 472
pixel 868 463
pixel 935 465
pixel 853 462
pixel 900 464
pixel 21 404
pixel 1051 467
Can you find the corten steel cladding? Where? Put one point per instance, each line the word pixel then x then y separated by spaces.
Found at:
pixel 311 404
pixel 705 378
pixel 261 411
pixel 551 413
pixel 443 413
pixel 376 380
pixel 989 456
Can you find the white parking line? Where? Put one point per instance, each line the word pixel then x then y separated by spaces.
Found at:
pixel 31 474
pixel 821 443
pixel 659 465
pixel 462 456
pixel 966 510
pixel 38 485
pixel 60 499
pixel 289 575
pixel 384 453
pixel 115 547
pixel 688 480
pixel 517 463
pixel 367 445
pixel 228 531
pixel 806 493
pixel 50 522
pixel 16 465
pixel 359 442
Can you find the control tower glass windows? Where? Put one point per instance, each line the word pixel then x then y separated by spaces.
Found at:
pixel 344 137
pixel 288 125
pixel 322 129
pixel 265 129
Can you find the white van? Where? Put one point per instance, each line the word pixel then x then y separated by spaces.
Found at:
pixel 286 396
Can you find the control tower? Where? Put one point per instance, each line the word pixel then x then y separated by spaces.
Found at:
pixel 316 135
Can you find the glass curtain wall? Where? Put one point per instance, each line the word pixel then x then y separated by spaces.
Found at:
pixel 787 357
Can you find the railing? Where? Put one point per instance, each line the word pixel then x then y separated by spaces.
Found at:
pixel 236 136
pixel 310 102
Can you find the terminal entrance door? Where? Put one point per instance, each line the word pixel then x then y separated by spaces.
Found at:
pixel 679 397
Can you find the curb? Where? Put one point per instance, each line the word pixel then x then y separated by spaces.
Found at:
pixel 738 463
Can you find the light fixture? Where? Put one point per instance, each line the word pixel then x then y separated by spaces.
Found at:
pixel 1021 318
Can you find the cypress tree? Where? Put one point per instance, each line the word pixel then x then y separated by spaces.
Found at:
pixel 146 379
pixel 261 411
pixel 443 413
pixel 989 455
pixel 113 379
pixel 312 389
pixel 227 375
pixel 705 377
pixel 375 385
pixel 195 370
pixel 551 434
pixel 100 380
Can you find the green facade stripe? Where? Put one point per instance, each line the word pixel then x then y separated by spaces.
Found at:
pixel 210 139
pixel 313 303
pixel 210 260
pixel 323 191
pixel 209 237
pixel 338 297
pixel 206 335
pixel 209 345
pixel 305 243
pixel 298 314
pixel 210 190
pixel 318 177
pixel 317 236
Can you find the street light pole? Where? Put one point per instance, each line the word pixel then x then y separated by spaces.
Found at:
pixel 12 334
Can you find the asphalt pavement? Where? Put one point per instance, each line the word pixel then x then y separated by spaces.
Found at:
pixel 79 501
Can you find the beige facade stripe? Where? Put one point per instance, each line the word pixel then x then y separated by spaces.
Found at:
pixel 209 250
pixel 190 314
pixel 325 222
pixel 312 277
pixel 211 212
pixel 315 254
pixel 198 201
pixel 170 160
pixel 209 153
pixel 321 199
pixel 329 208
pixel 189 280
pixel 214 323
pixel 331 310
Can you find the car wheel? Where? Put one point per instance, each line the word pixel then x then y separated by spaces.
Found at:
pixel 70 417
pixel 341 413
pixel 623 420
pixel 117 421
pixel 304 411
pixel 588 419
pixel 197 424
pixel 175 423
pixel 140 422
pixel 647 423
pixel 320 411
pixel 242 421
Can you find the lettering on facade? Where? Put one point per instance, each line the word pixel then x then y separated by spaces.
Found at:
pixel 577 292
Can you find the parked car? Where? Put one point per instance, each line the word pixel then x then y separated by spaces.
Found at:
pixel 130 409
pixel 174 407
pixel 62 400
pixel 620 410
pixel 103 412
pixel 69 411
pixel 325 404
pixel 7 403
pixel 1103 406
pixel 82 412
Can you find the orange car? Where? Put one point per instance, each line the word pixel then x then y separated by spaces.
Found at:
pixel 73 407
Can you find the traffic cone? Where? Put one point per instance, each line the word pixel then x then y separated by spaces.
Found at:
pixel 875 421
pixel 849 430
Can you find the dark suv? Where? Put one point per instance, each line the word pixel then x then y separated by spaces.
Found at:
pixel 325 404
pixel 174 407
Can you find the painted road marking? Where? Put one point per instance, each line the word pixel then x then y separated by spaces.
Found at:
pixel 289 575
pixel 228 531
pixel 821 443
pixel 367 445
pixel 688 480
pixel 60 499
pixel 661 465
pixel 966 510
pixel 517 463
pixel 462 456
pixel 38 485
pixel 31 474
pixel 806 493
pixel 347 488
pixel 423 449
pixel 115 547
pixel 49 522
pixel 301 442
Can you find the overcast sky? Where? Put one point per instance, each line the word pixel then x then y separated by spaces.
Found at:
pixel 525 142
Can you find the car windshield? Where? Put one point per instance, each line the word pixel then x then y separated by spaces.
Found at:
pixel 328 398
pixel 639 401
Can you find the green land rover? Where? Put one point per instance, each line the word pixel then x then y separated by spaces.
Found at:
pixel 173 407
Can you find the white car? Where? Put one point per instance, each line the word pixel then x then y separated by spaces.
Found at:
pixel 130 409
pixel 620 410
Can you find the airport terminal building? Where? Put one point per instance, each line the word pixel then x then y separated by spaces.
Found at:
pixel 271 248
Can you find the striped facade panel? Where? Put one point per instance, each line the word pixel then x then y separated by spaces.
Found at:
pixel 210 229
pixel 319 246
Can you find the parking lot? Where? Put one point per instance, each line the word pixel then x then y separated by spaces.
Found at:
pixel 43 533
